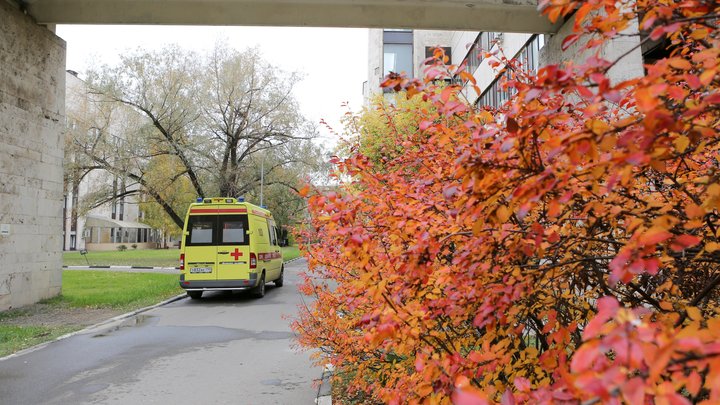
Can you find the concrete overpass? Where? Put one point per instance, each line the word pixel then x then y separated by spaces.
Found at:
pixel 483 15
pixel 32 95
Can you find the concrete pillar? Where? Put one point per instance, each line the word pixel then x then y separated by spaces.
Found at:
pixel 32 109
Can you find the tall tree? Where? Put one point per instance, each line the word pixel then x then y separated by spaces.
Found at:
pixel 248 107
pixel 205 117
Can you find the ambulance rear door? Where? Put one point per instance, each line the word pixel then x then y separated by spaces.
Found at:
pixel 200 245
pixel 233 253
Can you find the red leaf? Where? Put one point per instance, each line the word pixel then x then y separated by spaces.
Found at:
pixel 522 384
pixel 657 33
pixel 569 41
pixel 464 397
pixel 585 356
pixel 445 96
pixel 607 307
pixel 532 94
pixel 508 398
pixel 512 125
pixel 357 238
pixel 683 242
pixel 633 391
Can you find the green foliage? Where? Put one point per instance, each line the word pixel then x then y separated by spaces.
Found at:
pixel 382 130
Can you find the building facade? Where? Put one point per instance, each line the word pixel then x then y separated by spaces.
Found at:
pixel 101 209
pixel 533 51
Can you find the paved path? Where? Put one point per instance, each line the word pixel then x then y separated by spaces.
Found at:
pixel 222 349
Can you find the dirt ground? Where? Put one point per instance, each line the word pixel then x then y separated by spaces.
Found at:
pixel 53 315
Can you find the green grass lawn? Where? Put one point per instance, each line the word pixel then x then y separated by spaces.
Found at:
pixel 14 338
pixel 149 257
pixel 108 289
pixel 87 289
pixel 130 257
pixel 290 252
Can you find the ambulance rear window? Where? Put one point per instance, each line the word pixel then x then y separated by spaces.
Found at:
pixel 201 230
pixel 233 230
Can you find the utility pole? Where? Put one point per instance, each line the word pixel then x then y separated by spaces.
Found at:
pixel 262 178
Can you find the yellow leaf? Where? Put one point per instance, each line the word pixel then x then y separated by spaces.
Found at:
pixel 699 33
pixel 694 313
pixel 598 127
pixel 503 213
pixel 712 246
pixel 681 143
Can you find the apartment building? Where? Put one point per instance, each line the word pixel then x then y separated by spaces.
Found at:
pixel 100 211
pixel 401 50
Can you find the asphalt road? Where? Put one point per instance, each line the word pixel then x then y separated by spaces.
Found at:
pixel 223 349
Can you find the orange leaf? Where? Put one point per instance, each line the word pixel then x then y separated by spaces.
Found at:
pixel 680 63
pixel 653 236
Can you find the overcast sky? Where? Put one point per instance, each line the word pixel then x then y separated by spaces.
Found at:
pixel 333 60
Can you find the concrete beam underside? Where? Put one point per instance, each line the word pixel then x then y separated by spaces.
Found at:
pixel 476 15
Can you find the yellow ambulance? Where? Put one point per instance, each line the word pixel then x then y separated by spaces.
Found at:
pixel 229 245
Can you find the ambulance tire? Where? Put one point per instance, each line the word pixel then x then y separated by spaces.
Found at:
pixel 196 295
pixel 280 280
pixel 259 291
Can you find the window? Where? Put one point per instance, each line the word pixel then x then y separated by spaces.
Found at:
pixel 474 56
pixel 233 230
pixel 398 52
pixel 217 230
pixel 430 51
pixel 273 235
pixel 201 230
pixel 397 58
pixel 529 56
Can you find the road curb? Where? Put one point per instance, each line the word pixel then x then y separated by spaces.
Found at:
pixel 324 395
pixel 97 325
pixel 119 267
pixel 293 260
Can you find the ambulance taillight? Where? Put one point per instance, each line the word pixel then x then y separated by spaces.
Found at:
pixel 253 261
pixel 182 261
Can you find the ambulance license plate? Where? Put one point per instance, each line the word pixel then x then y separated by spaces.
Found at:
pixel 201 270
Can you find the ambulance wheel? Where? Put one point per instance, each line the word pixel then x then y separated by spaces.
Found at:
pixel 259 291
pixel 280 280
pixel 196 295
